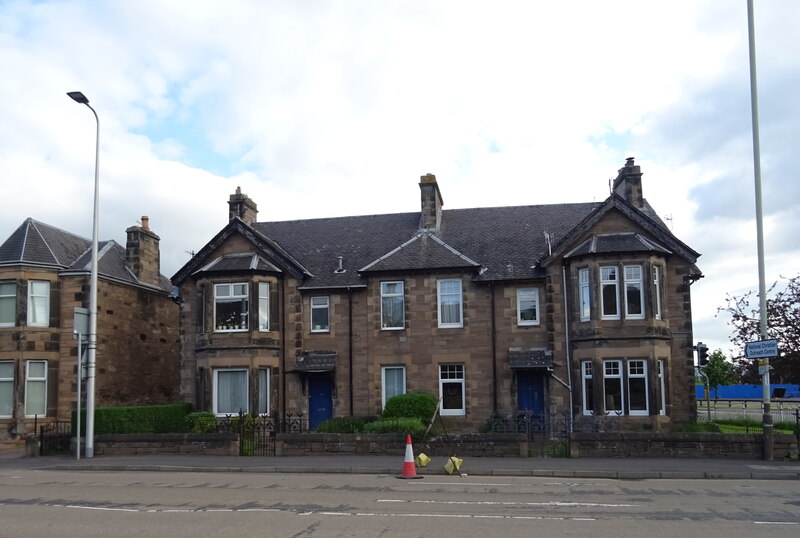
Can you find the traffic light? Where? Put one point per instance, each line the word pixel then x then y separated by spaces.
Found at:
pixel 702 354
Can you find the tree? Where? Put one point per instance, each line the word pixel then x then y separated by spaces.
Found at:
pixel 783 321
pixel 718 372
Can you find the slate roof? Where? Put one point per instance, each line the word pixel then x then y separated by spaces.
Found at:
pixel 38 244
pixel 496 243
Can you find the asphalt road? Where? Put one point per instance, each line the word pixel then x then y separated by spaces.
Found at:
pixel 188 504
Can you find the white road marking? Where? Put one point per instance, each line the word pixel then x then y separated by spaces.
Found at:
pixel 102 508
pixel 511 503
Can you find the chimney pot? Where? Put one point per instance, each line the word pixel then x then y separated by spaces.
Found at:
pixel 146 222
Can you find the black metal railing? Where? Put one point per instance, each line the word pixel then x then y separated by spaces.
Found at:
pixel 257 432
pixel 55 438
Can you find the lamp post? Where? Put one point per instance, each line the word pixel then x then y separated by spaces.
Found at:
pixel 78 97
pixel 762 286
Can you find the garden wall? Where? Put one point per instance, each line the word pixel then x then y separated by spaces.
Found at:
pixel 677 445
pixel 212 444
pixel 310 444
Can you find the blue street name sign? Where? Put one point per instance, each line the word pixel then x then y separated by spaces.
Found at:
pixel 762 349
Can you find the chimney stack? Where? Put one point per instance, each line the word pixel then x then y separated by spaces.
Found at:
pixel 629 184
pixel 142 253
pixel 240 205
pixel 431 211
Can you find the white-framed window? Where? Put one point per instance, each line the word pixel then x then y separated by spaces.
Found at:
pixel 584 294
pixel 450 303
pixel 35 388
pixel 393 382
pixel 451 389
pixel 662 387
pixel 393 305
pixel 263 391
pixel 588 387
pixel 528 306
pixel 230 391
pixel 320 314
pixel 39 303
pixel 609 293
pixel 263 306
pixel 231 307
pixel 637 387
pixel 634 292
pixel 8 304
pixel 613 398
pixel 6 389
pixel 657 291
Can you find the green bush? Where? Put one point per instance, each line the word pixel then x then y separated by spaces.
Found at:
pixel 419 405
pixel 167 418
pixel 412 426
pixel 201 422
pixel 344 425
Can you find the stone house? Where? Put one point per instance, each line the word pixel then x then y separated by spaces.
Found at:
pixel 44 276
pixel 581 309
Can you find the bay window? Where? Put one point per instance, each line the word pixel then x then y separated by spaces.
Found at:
pixel 584 295
pixel 6 389
pixel 231 306
pixel 657 292
pixel 634 296
pixel 230 392
pixel 588 389
pixel 39 303
pixel 263 306
pixel 609 293
pixel 612 387
pixel 637 387
pixel 36 388
pixel 8 304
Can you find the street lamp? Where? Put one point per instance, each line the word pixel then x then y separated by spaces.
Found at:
pixel 78 97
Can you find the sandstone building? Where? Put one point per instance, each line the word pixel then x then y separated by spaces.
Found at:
pixel 44 276
pixel 582 309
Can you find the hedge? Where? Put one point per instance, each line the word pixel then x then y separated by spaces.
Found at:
pixel 166 418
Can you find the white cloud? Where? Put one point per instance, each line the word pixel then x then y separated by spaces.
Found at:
pixel 337 108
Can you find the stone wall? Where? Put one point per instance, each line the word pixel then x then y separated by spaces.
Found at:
pixel 311 444
pixel 210 444
pixel 677 445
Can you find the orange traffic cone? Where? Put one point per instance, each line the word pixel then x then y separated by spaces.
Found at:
pixel 409 469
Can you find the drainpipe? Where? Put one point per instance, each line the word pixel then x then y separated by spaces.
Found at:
pixel 494 352
pixel 282 306
pixel 350 341
pixel 567 354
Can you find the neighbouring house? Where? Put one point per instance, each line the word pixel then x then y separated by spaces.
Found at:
pixel 44 276
pixel 580 309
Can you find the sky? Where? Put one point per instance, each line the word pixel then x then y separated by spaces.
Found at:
pixel 332 108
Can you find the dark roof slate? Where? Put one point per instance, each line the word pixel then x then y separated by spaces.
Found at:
pixel 505 242
pixel 38 244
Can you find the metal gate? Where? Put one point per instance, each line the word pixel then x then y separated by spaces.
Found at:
pixel 257 432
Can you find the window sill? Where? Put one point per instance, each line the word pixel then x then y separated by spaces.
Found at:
pixel 393 328
pixel 230 330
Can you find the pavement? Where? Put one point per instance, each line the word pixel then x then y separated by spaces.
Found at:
pixel 13 457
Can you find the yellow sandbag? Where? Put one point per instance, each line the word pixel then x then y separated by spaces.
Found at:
pixel 453 464
pixel 422 460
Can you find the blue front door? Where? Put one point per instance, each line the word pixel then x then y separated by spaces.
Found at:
pixel 530 392
pixel 320 400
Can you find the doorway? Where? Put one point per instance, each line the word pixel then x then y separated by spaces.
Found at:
pixel 320 400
